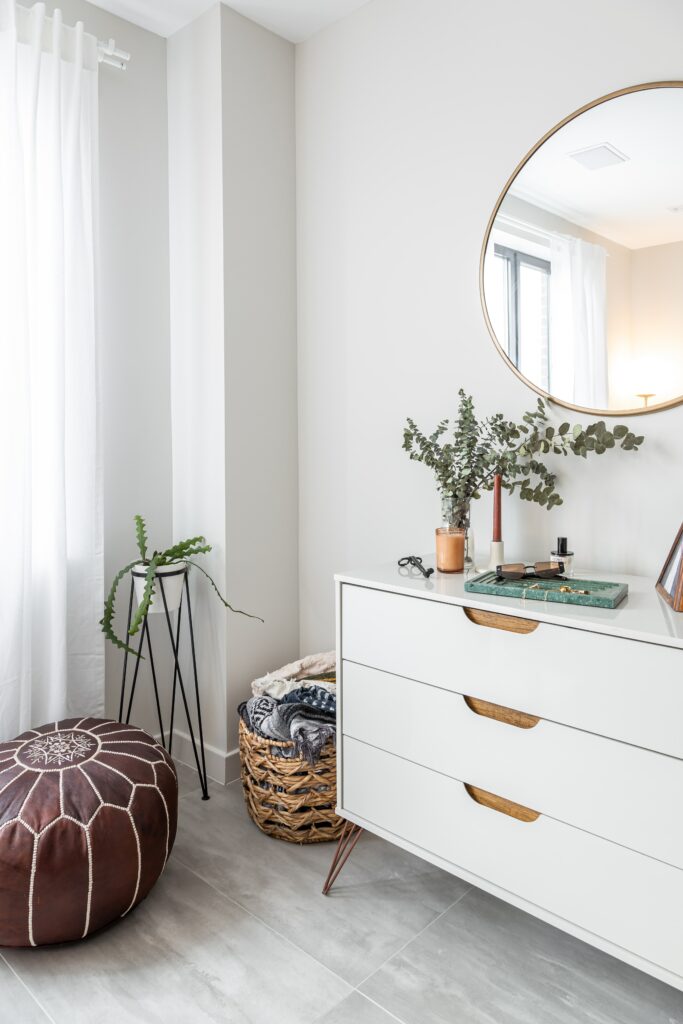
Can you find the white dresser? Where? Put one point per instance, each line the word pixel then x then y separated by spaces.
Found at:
pixel 533 749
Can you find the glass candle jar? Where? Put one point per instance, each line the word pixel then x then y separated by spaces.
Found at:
pixel 450 549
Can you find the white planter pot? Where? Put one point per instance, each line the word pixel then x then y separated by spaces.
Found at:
pixel 174 579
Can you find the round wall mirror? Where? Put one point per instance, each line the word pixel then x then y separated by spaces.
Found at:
pixel 582 264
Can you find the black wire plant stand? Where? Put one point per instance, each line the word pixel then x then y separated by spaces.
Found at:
pixel 197 747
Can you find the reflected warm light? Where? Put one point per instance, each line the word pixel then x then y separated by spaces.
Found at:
pixel 655 371
pixel 645 373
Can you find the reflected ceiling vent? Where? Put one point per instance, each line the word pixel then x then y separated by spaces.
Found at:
pixel 594 158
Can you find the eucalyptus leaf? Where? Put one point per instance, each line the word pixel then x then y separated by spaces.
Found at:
pixel 478 449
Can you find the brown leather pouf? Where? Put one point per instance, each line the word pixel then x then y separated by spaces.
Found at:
pixel 88 811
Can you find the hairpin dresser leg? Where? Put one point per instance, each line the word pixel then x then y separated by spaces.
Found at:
pixel 351 833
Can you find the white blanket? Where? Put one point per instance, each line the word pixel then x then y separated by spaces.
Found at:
pixel 290 677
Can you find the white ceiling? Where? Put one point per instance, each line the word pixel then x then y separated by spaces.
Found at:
pixel 295 20
pixel 627 202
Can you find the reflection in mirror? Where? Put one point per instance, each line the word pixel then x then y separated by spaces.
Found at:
pixel 583 267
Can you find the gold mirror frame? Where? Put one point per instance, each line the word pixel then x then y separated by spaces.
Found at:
pixel 544 394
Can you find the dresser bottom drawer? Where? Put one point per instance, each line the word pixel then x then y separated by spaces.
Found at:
pixel 629 899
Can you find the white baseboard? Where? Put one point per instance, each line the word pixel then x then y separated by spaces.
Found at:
pixel 222 766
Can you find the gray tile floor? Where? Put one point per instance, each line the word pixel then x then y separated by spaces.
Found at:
pixel 237 932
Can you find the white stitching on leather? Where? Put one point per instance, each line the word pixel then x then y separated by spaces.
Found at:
pixel 30 889
pixel 137 884
pixel 90 882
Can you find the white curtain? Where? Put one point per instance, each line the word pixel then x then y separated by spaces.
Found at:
pixel 578 339
pixel 51 650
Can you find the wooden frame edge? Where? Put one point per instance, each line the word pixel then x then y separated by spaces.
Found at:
pixel 674 600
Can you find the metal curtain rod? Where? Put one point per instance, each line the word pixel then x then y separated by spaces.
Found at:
pixel 107 53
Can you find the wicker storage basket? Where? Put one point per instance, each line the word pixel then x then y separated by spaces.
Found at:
pixel 288 798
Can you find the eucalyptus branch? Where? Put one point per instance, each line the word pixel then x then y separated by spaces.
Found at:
pixel 466 466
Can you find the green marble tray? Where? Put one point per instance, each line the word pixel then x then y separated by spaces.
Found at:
pixel 601 594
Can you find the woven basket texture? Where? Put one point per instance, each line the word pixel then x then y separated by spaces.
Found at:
pixel 288 798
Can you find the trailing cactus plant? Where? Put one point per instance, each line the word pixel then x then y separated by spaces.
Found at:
pixel 184 551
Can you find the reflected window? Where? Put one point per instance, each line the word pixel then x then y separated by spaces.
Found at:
pixel 520 310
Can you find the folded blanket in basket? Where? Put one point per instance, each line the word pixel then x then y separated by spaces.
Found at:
pixel 316 696
pixel 297 674
pixel 256 710
pixel 309 728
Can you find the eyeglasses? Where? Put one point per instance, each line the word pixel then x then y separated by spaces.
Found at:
pixel 537 571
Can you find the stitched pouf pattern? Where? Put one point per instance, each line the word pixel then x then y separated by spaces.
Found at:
pixel 88 812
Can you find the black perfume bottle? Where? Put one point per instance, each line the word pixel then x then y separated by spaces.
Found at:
pixel 564 555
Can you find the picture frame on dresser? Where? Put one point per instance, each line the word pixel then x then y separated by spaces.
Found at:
pixel 670 582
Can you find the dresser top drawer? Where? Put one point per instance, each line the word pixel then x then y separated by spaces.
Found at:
pixel 623 689
pixel 642 616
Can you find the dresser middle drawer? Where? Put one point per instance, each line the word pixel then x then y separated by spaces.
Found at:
pixel 620 792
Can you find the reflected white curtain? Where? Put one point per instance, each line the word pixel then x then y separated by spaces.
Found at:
pixel 51 650
pixel 578 336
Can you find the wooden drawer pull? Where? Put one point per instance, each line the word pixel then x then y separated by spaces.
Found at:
pixel 512 623
pixel 499 803
pixel 501 714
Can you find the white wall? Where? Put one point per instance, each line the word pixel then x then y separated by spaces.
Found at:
pixel 411 114
pixel 259 240
pixel 233 336
pixel 134 294
pixel 197 345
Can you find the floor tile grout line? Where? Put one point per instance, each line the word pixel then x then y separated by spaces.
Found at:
pixel 354 988
pixel 21 981
pixel 384 1009
pixel 310 956
pixel 414 938
pixel 274 931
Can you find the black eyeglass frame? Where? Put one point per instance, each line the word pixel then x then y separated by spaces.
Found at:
pixel 549 574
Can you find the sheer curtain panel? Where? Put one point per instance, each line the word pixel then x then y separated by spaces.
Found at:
pixel 51 649
pixel 578 331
